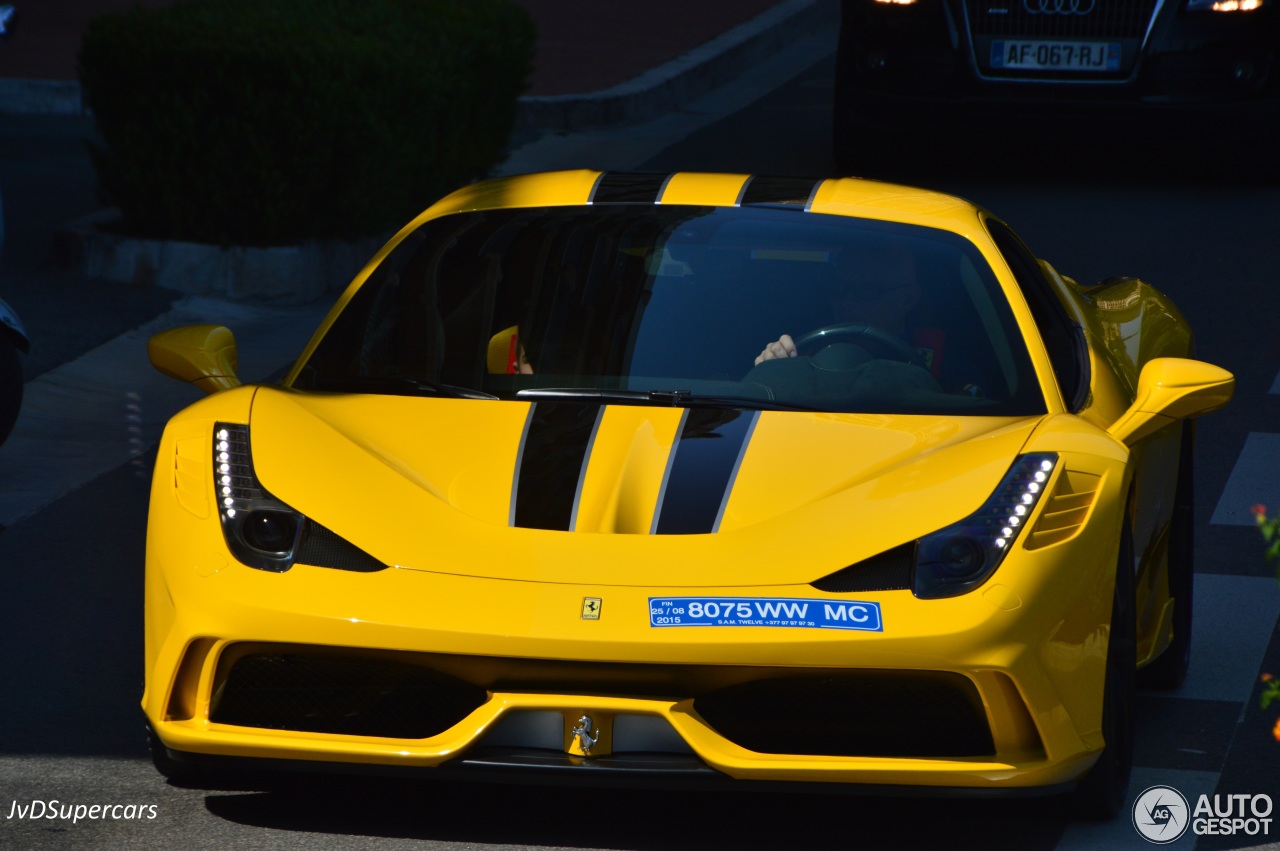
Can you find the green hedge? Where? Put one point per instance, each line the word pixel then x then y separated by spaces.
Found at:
pixel 269 122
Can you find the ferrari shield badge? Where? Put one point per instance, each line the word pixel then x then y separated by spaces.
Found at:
pixel 591 608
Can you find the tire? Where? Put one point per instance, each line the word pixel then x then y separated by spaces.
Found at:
pixel 178 773
pixel 10 385
pixel 1169 669
pixel 1103 791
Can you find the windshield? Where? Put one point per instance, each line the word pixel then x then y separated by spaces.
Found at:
pixel 747 307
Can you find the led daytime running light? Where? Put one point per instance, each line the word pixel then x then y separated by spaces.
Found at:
pixel 961 557
pixel 237 487
pixel 1020 492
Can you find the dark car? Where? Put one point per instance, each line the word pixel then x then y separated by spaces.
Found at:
pixel 904 67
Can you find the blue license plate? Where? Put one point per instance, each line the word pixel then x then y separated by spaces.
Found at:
pixel 765 611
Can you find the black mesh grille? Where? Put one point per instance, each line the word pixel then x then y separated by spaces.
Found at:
pixel 343 694
pixel 887 571
pixel 322 548
pixel 870 713
pixel 1024 18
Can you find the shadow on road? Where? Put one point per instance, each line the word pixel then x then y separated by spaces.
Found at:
pixel 486 814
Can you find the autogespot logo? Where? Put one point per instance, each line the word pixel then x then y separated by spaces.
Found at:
pixel 1160 815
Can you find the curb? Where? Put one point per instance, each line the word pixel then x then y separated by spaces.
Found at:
pixel 290 274
pixel 40 97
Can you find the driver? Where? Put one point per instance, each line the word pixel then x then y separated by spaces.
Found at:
pixel 878 286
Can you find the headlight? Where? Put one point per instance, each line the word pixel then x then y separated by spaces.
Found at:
pixel 961 557
pixel 1225 5
pixel 260 530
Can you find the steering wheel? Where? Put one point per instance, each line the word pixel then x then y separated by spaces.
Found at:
pixel 858 333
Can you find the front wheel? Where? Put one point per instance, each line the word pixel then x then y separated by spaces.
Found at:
pixel 1169 669
pixel 178 773
pixel 1103 791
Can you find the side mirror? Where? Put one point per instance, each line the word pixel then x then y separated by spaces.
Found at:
pixel 203 355
pixel 1171 389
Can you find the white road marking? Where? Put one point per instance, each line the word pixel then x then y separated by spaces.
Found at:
pixel 1254 480
pixel 1233 618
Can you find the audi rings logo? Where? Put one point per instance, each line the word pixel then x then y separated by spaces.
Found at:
pixel 1059 7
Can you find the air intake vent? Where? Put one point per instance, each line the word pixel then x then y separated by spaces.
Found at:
pixel 888 571
pixel 321 547
pixel 1065 511
pixel 342 694
pixel 867 713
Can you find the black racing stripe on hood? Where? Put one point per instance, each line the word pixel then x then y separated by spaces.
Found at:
pixel 551 464
pixel 627 188
pixel 701 471
pixel 779 191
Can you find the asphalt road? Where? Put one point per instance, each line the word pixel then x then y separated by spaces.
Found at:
pixel 70 728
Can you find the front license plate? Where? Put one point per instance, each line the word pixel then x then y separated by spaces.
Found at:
pixel 765 611
pixel 1056 55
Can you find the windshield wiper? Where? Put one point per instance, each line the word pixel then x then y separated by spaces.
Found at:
pixel 397 385
pixel 674 398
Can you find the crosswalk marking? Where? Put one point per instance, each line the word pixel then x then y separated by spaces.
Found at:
pixel 1254 480
pixel 1224 661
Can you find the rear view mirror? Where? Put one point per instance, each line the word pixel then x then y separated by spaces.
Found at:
pixel 203 355
pixel 1172 389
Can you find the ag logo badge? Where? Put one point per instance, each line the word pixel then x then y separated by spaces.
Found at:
pixel 591 608
pixel 1161 815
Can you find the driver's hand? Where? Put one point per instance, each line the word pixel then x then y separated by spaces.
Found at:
pixel 783 347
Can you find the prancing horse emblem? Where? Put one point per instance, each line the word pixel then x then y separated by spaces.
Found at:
pixel 582 734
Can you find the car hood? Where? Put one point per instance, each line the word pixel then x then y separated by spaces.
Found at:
pixel 622 494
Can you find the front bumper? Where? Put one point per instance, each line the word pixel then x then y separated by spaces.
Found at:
pixel 519 680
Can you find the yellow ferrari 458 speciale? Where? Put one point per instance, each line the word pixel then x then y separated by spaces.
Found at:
pixel 685 477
